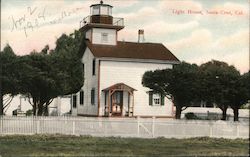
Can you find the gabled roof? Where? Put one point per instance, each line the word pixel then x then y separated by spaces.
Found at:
pixel 119 86
pixel 133 50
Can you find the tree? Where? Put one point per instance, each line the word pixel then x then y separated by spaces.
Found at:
pixel 178 84
pixel 37 80
pixel 8 79
pixel 218 80
pixel 45 76
pixel 240 95
pixel 67 61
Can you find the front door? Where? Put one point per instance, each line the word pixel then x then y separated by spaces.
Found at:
pixel 117 103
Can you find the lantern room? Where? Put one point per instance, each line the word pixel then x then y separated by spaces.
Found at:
pixel 101 17
pixel 101 9
pixel 100 27
pixel 101 13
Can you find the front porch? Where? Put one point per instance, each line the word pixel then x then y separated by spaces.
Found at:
pixel 119 100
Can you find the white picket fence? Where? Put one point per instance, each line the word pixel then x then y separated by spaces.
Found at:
pixel 123 127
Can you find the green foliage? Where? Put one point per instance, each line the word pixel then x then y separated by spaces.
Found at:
pixel 220 84
pixel 8 79
pixel 214 82
pixel 246 106
pixel 218 78
pixel 241 94
pixel 72 44
pixel 191 115
pixel 29 112
pixel 36 75
pixel 45 75
pixel 67 58
pixel 8 61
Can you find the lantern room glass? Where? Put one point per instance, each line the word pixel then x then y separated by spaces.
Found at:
pixel 95 10
pixel 101 10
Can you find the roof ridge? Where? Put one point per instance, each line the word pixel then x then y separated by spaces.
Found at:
pixel 138 42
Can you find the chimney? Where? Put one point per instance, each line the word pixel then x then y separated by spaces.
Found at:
pixel 141 38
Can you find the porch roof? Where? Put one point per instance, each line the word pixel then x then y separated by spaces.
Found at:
pixel 119 86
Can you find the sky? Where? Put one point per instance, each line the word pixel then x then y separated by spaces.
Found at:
pixel 196 31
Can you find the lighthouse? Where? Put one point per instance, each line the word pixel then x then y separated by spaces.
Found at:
pixel 113 70
pixel 100 27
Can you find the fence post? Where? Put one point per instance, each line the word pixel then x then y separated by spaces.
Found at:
pixel 153 127
pixel 1 125
pixel 210 129
pixel 237 130
pixel 37 125
pixel 74 127
pixel 138 126
pixel 104 123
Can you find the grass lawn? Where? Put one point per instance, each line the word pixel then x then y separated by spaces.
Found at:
pixel 60 145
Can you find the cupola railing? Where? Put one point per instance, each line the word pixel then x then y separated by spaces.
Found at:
pixel 115 21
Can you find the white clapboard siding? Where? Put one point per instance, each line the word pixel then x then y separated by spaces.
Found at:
pixel 118 71
pixel 130 73
pixel 97 36
pixel 90 81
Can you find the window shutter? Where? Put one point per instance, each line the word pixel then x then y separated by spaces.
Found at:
pixel 162 100
pixel 93 96
pixel 74 101
pixel 81 97
pixel 93 67
pixel 150 98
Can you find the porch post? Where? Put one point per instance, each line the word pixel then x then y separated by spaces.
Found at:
pixel 109 103
pixel 128 104
pixel 133 104
pixel 105 103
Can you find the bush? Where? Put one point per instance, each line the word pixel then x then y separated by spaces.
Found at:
pixel 29 112
pixel 191 115
pixel 245 106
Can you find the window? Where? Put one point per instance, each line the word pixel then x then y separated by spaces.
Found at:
pixel 156 99
pixel 81 97
pixel 93 67
pixel 104 38
pixel 104 10
pixel 93 96
pixel 110 11
pixel 74 101
pixel 95 10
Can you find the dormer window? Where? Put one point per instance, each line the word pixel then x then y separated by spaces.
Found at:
pixel 104 37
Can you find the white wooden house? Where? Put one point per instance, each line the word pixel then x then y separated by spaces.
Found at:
pixel 113 70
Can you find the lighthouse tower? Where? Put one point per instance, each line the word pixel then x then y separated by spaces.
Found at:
pixel 101 27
